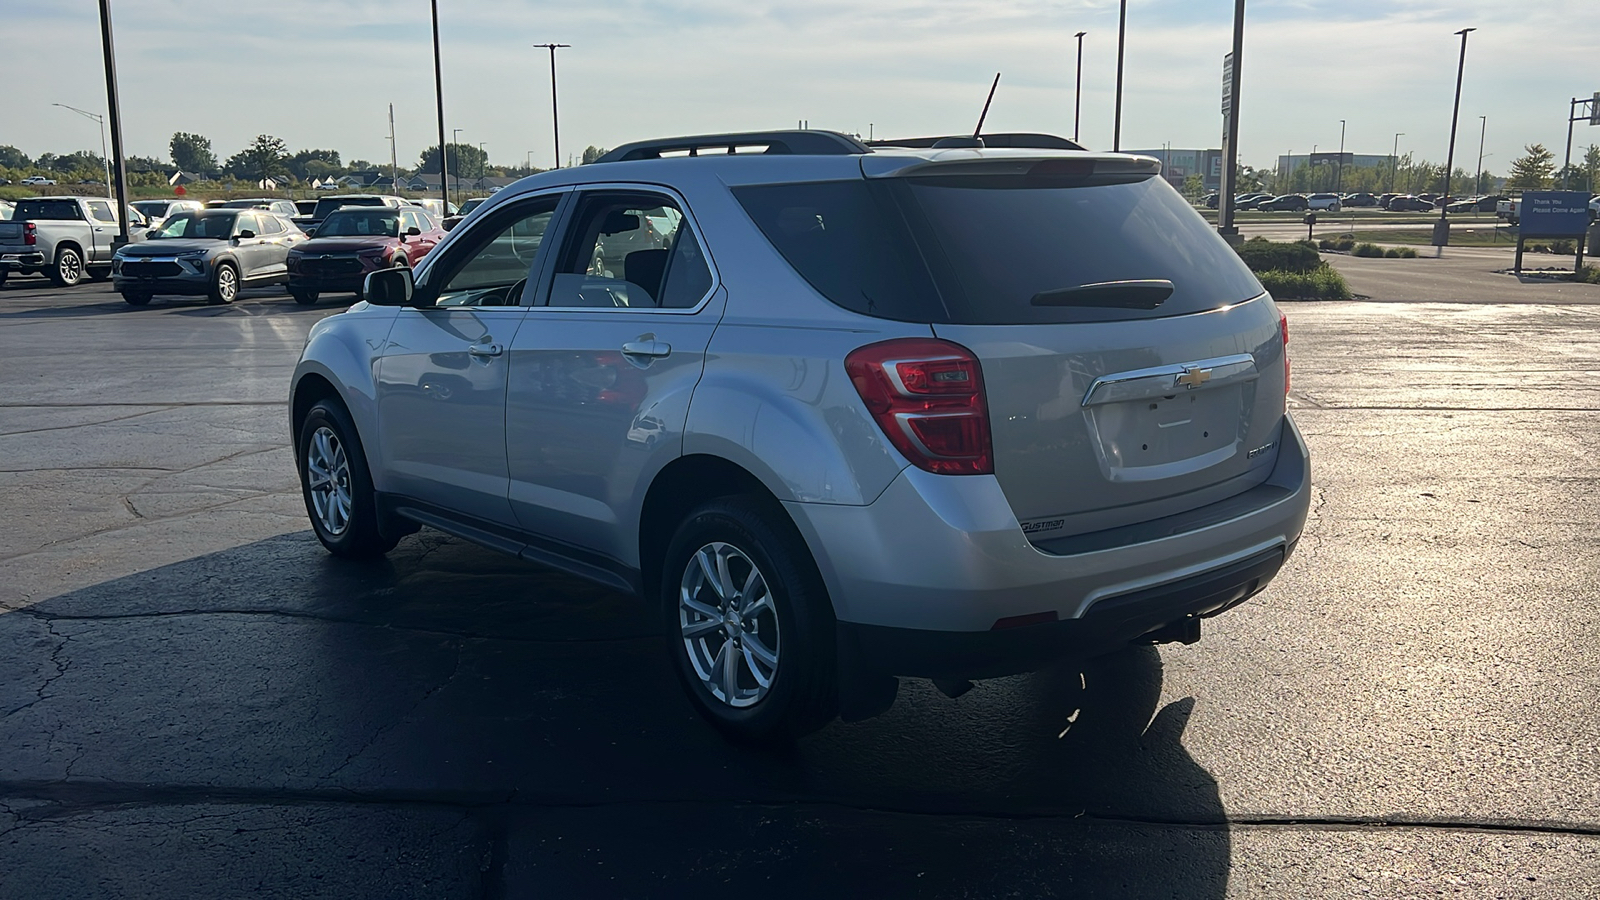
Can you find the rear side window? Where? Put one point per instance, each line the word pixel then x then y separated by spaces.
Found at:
pixel 57 210
pixel 846 239
pixel 978 252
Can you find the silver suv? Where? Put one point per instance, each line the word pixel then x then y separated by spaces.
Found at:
pixel 951 411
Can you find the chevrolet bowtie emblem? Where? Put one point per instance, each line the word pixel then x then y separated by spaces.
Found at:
pixel 1193 378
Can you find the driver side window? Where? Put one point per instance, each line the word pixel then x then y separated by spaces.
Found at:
pixel 499 258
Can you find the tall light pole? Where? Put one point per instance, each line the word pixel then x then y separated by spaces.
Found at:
pixel 483 163
pixel 1338 174
pixel 114 108
pixel 1477 180
pixel 1077 94
pixel 438 95
pixel 555 113
pixel 1230 132
pixel 104 156
pixel 1122 34
pixel 455 138
pixel 1441 232
pixel 1394 159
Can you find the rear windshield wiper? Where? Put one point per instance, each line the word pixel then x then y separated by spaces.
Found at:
pixel 1142 293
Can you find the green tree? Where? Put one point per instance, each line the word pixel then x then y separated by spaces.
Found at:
pixel 1533 172
pixel 299 163
pixel 466 160
pixel 592 153
pixel 1193 187
pixel 12 158
pixel 192 153
pixel 1591 165
pixel 263 159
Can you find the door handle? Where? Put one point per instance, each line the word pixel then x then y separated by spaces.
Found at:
pixel 485 350
pixel 651 349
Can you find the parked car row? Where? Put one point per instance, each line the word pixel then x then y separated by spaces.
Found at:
pixel 1335 202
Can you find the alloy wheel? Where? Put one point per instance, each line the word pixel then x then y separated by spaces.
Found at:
pixel 729 624
pixel 70 267
pixel 227 283
pixel 328 480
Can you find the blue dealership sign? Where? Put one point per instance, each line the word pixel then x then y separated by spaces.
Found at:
pixel 1554 213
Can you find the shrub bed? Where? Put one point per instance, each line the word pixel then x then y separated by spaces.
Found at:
pixel 1321 283
pixel 1262 255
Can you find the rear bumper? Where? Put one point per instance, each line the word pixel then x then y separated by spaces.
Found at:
pixel 922 576
pixel 23 259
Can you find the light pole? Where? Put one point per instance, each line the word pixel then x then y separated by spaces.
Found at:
pixel 455 138
pixel 1122 33
pixel 1077 94
pixel 1338 176
pixel 104 156
pixel 1230 132
pixel 1394 159
pixel 483 163
pixel 555 114
pixel 1441 234
pixel 1477 180
pixel 114 109
pixel 438 95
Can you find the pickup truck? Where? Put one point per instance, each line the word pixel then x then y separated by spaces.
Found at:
pixel 1510 210
pixel 65 237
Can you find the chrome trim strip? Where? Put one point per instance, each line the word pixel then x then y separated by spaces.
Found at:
pixel 1162 381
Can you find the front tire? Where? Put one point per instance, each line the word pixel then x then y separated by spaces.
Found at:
pixel 68 270
pixel 336 485
pixel 750 626
pixel 304 297
pixel 224 284
pixel 136 298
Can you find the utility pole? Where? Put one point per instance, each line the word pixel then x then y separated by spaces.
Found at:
pixel 394 156
pixel 1230 131
pixel 1122 34
pixel 438 94
pixel 1441 231
pixel 114 107
pixel 1477 180
pixel 555 113
pixel 1338 175
pixel 1394 159
pixel 104 156
pixel 483 163
pixel 455 138
pixel 1077 94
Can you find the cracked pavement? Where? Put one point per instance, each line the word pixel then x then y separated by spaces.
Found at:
pixel 196 700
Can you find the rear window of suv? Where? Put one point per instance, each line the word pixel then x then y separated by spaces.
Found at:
pixel 978 252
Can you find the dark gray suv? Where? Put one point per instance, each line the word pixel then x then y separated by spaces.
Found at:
pixel 846 414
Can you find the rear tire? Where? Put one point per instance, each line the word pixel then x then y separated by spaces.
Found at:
pixel 136 298
pixel 3 274
pixel 304 297
pixel 739 584
pixel 99 274
pixel 224 284
pixel 336 485
pixel 68 268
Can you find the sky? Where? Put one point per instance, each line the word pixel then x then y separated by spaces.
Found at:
pixel 321 73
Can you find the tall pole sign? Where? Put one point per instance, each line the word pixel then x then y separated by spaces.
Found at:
pixel 1230 128
pixel 1573 115
pixel 1441 230
pixel 438 96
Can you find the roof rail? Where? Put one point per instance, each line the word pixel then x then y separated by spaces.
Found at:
pixel 1014 140
pixel 796 143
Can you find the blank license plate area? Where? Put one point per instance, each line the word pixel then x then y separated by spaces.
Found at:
pixel 1167 436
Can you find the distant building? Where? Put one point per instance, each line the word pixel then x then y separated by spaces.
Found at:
pixel 1177 165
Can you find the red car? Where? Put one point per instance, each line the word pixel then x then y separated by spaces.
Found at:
pixel 355 240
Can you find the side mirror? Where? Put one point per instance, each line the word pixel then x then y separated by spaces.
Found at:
pixel 390 287
pixel 413 231
pixel 246 234
pixel 151 233
pixel 311 232
pixel 450 223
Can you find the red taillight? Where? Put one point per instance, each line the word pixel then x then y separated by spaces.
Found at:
pixel 30 233
pixel 1283 326
pixel 927 396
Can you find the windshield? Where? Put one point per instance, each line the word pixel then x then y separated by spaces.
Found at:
pixel 328 205
pixel 191 225
pixel 377 222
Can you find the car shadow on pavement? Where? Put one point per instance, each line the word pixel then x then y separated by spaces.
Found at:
pixel 542 714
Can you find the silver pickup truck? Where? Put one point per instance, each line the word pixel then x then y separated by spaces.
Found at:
pixel 64 237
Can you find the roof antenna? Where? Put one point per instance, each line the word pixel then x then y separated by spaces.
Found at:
pixel 979 130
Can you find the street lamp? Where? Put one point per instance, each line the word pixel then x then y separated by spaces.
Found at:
pixel 1338 176
pixel 483 163
pixel 1441 235
pixel 555 115
pixel 1122 33
pixel 455 138
pixel 104 156
pixel 1394 159
pixel 1477 180
pixel 1077 95
pixel 438 94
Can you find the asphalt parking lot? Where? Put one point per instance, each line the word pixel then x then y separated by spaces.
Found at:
pixel 195 700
